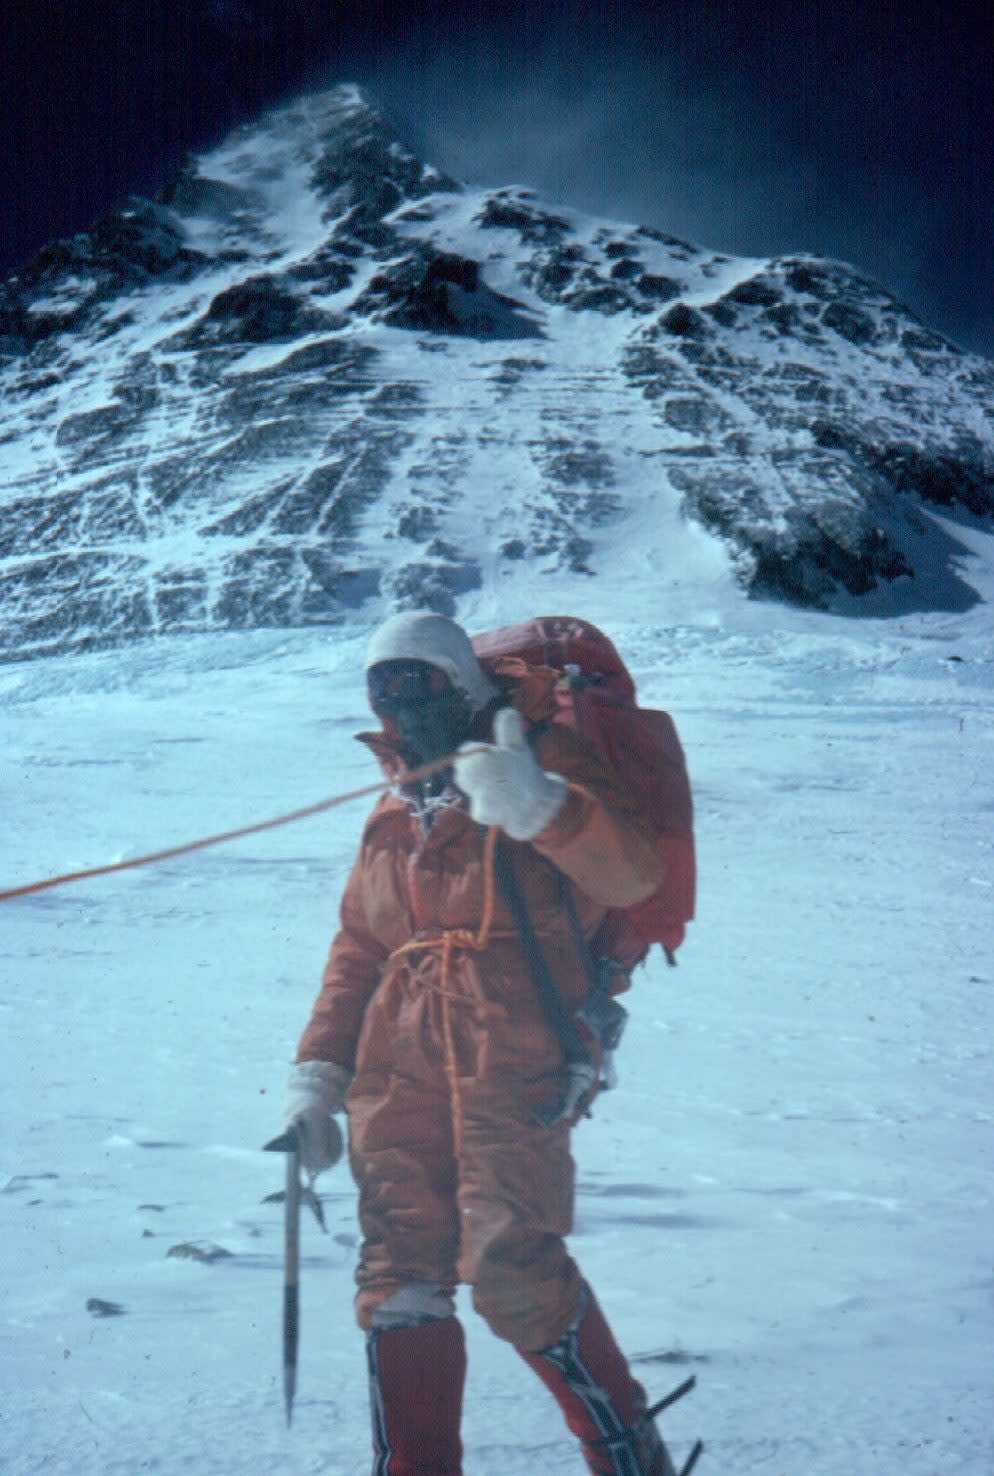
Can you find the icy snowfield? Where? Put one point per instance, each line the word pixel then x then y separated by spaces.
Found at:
pixel 790 1192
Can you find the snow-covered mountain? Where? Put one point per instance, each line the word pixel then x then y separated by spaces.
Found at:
pixel 316 371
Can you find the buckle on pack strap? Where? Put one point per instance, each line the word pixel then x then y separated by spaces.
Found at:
pixel 581 1080
pixel 603 1017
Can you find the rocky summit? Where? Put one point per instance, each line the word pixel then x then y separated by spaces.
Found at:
pixel 315 372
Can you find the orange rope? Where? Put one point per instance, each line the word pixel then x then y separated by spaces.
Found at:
pixel 154 857
pixel 489 886
pixel 451 1060
pixel 449 940
pixel 464 937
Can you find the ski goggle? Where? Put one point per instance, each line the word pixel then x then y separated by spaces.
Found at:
pixel 404 683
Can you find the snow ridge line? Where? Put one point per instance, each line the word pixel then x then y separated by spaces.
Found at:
pixel 188 847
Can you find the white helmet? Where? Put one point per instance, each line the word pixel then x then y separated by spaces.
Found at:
pixel 438 641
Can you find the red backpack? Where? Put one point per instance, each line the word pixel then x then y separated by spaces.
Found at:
pixel 596 696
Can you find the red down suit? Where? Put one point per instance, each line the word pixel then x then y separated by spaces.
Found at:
pixel 427 998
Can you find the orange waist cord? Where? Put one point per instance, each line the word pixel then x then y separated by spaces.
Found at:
pixel 449 941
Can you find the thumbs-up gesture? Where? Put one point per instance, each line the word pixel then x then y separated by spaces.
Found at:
pixel 505 785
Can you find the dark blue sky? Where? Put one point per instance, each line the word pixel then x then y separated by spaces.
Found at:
pixel 859 130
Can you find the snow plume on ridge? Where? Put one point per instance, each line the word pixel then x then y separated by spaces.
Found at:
pixel 318 377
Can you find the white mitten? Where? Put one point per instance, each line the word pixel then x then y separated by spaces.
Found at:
pixel 504 783
pixel 315 1090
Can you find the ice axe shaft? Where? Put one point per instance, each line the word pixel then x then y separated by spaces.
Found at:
pixel 289 1143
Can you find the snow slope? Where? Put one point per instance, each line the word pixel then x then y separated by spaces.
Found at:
pixel 790 1192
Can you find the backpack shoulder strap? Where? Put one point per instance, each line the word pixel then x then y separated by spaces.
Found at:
pixel 576 1056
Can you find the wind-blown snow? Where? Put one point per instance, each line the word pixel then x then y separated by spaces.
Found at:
pixel 790 1192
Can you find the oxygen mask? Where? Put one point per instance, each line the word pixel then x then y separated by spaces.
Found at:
pixel 430 714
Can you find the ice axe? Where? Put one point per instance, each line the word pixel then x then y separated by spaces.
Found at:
pixel 294 1194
